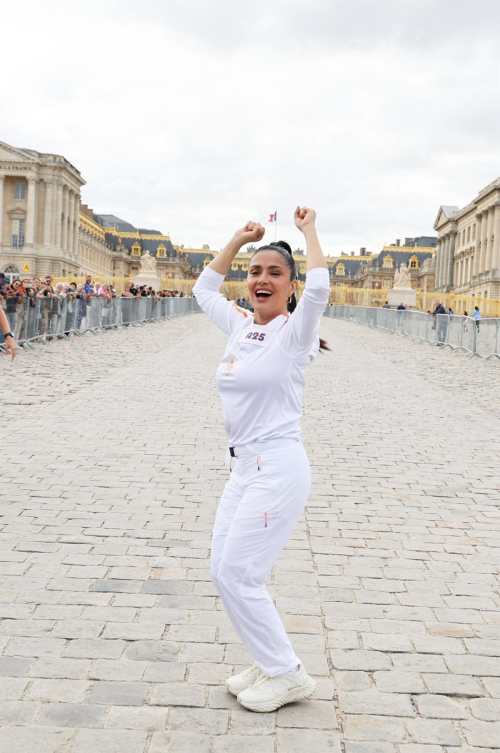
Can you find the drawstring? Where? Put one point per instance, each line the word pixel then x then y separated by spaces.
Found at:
pixel 258 465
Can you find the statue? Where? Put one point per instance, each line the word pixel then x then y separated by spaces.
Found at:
pixel 147 273
pixel 402 277
pixel 148 263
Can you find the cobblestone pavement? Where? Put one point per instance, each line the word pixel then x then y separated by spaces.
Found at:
pixel 111 634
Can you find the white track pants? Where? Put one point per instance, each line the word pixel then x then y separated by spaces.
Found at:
pixel 262 500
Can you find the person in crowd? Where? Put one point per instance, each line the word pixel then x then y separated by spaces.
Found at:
pixel 105 297
pixel 18 291
pixel 386 305
pixel 87 285
pixel 441 322
pixel 477 317
pixel 464 321
pixel 450 311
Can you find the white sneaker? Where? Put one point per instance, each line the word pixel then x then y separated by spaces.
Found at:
pixel 269 693
pixel 245 679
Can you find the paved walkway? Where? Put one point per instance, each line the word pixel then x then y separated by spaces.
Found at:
pixel 111 634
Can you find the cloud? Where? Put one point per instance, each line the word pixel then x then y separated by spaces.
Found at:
pixel 192 117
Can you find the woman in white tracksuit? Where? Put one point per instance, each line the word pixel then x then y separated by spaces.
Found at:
pixel 261 379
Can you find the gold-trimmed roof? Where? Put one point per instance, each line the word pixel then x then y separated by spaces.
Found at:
pixel 91 226
pixel 138 235
pixel 410 249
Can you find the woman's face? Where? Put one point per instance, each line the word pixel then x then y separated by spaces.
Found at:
pixel 269 284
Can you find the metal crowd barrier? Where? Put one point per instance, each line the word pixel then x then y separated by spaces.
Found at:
pixel 475 338
pixel 42 319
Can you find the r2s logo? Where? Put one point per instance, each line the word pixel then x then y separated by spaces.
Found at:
pixel 255 336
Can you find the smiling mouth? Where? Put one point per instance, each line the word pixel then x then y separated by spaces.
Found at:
pixel 263 295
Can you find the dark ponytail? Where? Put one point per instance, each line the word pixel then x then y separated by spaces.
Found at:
pixel 284 250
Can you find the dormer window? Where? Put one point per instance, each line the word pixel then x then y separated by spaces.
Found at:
pixel 135 250
pixel 161 252
pixel 388 262
pixel 414 262
pixel 340 270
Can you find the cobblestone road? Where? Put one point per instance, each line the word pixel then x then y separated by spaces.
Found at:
pixel 111 634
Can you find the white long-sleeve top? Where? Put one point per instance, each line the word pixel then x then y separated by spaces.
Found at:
pixel 262 374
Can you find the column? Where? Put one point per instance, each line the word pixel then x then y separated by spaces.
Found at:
pixel 442 244
pixel 477 254
pixel 496 239
pixel 59 204
pixel 30 218
pixel 1 206
pixel 489 239
pixel 444 265
pixel 71 212
pixel 47 218
pixel 484 240
pixel 64 241
pixel 437 261
pixel 77 224
pixel 451 260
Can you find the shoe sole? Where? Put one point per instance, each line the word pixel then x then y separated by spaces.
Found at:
pixel 297 694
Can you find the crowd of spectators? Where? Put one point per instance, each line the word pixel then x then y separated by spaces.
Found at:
pixel 48 303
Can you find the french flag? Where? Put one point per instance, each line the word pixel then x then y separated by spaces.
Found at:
pixel 273 217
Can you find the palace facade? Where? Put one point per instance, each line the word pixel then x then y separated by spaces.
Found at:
pixel 39 213
pixel 468 252
pixel 45 229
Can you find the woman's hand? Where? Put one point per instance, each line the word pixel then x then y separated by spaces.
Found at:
pixel 10 347
pixel 304 217
pixel 253 231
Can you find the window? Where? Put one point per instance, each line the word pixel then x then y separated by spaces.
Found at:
pixel 135 250
pixel 468 234
pixel 161 252
pixel 414 262
pixel 473 232
pixel 388 262
pixel 19 189
pixel 340 270
pixel 18 232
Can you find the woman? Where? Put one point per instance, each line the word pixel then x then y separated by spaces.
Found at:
pixel 260 380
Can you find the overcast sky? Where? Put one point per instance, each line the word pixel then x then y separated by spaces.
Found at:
pixel 192 117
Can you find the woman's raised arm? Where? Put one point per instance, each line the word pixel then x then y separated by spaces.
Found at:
pixel 253 231
pixel 305 219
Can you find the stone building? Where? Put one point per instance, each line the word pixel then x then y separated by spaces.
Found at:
pixel 468 252
pixel 418 255
pixel 39 208
pixel 44 229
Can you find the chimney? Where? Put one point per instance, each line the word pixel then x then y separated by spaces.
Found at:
pixel 352 253
pixel 84 209
pixel 408 241
pixel 398 241
pixel 362 251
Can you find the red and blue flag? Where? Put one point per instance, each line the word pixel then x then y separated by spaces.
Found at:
pixel 273 217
